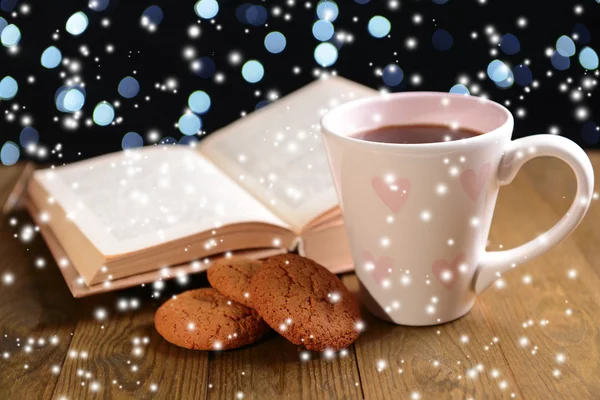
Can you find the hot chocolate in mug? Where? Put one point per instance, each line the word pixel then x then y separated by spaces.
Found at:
pixel 418 215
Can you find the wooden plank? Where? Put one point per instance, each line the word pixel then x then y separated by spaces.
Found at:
pixel 104 349
pixel 542 315
pixel 273 369
pixel 556 183
pixel 36 305
pixel 431 362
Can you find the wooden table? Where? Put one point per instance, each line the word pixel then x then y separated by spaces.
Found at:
pixel 536 336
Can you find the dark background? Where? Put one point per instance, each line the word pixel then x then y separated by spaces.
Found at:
pixel 157 56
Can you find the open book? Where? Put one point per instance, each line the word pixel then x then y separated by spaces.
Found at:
pixel 261 183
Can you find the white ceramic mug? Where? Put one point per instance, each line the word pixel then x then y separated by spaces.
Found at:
pixel 418 215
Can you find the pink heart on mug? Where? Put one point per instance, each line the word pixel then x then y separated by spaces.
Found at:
pixel 447 273
pixel 381 268
pixel 393 194
pixel 473 183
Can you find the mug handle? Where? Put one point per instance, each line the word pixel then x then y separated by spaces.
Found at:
pixel 520 151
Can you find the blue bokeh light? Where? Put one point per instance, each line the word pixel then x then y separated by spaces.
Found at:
pixel 189 124
pixel 379 26
pixel 129 87
pixel 51 57
pixel 77 23
pixel 59 98
pixel 323 30
pixel 199 102
pixel 523 75
pixel 362 1
pixel 189 141
pixel 10 153
pixel 153 14
pixel 8 5
pixel 207 9
pixel 460 89
pixel 240 12
pixel 104 113
pixel 497 71
pixel 588 58
pixel 442 40
pixel 582 33
pixel 508 82
pixel 3 24
pixel 8 88
pixel 29 136
pixel 392 75
pixel 327 10
pixel 98 5
pixel 337 41
pixel 74 100
pixel 255 15
pixel 440 1
pixel 261 104
pixel 590 132
pixel 326 54
pixel 253 71
pixel 132 140
pixel 275 42
pixel 559 62
pixel 565 46
pixel 168 140
pixel 10 36
pixel 510 44
pixel 206 67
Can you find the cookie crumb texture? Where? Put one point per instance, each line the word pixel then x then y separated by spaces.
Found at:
pixel 305 303
pixel 204 319
pixel 231 277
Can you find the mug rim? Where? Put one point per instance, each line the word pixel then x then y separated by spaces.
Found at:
pixel 325 129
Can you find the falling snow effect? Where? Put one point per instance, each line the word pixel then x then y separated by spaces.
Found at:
pixel 74 68
pixel 511 76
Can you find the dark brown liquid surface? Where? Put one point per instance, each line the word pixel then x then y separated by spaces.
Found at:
pixel 415 134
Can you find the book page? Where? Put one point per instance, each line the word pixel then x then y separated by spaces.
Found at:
pixel 277 154
pixel 132 200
